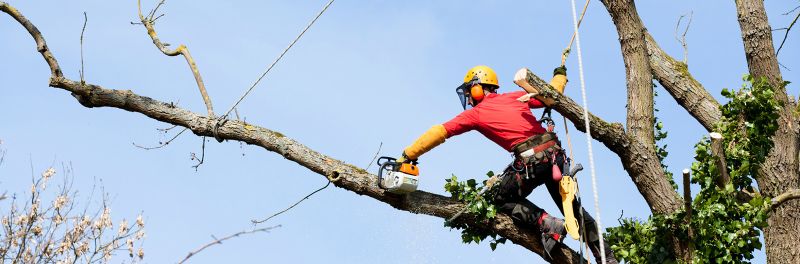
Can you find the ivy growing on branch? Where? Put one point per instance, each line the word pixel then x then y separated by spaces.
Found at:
pixel 478 206
pixel 725 224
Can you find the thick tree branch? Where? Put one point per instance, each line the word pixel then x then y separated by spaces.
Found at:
pixel 637 68
pixel 148 22
pixel 718 151
pixel 637 158
pixel 641 161
pixel 674 76
pixel 343 175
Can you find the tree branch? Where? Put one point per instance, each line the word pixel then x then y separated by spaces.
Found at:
pixel 674 76
pixel 784 197
pixel 344 175
pixel 220 240
pixel 148 22
pixel 642 166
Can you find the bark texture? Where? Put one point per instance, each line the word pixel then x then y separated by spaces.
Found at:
pixel 342 175
pixel 779 173
pixel 674 76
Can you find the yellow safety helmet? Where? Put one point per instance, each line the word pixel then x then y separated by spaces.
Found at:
pixel 483 74
pixel 477 78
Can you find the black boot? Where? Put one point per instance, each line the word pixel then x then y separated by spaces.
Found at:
pixel 553 232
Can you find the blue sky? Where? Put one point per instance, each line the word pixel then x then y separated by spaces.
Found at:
pixel 364 64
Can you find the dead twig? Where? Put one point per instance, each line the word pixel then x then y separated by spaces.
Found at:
pixel 162 144
pixel 202 155
pixel 682 38
pixel 786 35
pixel 82 73
pixel 255 222
pixel 220 240
pixel 148 22
pixel 375 157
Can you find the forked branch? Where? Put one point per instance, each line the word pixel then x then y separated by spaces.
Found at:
pixel 149 23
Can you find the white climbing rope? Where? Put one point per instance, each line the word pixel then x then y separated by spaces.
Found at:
pixel 588 134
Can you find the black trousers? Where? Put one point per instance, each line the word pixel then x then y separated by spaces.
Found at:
pixel 519 180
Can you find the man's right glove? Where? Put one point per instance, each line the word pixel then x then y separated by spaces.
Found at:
pixel 562 70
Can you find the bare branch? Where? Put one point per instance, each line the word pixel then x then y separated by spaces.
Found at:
pixel 786 35
pixel 785 197
pixel 85 20
pixel 202 155
pixel 255 222
pixel 376 156
pixel 220 240
pixel 162 144
pixel 682 38
pixel 148 23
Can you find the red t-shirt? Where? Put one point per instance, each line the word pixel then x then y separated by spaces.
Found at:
pixel 501 118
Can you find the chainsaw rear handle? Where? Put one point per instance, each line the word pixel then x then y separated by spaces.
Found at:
pixel 575 169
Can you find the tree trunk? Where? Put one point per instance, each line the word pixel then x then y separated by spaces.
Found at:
pixel 779 173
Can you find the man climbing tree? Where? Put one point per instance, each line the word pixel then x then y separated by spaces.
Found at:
pixel 506 120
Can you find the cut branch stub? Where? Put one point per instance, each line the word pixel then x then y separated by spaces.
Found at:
pixel 719 153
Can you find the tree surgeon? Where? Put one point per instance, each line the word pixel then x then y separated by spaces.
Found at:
pixel 506 119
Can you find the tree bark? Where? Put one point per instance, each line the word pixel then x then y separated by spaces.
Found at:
pixel 342 175
pixel 674 76
pixel 640 118
pixel 780 171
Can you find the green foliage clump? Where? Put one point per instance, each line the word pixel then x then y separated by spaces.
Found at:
pixel 478 206
pixel 725 227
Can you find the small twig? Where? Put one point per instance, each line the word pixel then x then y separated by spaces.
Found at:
pixel 165 130
pixel 786 35
pixel 682 38
pixel 255 222
pixel 219 240
pixel 82 73
pixel 791 11
pixel 162 144
pixel 375 157
pixel 202 155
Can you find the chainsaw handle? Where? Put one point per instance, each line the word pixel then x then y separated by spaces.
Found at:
pixel 575 169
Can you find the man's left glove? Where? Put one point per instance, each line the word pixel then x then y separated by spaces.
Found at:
pixel 404 159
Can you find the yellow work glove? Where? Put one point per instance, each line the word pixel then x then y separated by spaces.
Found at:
pixel 429 140
pixel 559 80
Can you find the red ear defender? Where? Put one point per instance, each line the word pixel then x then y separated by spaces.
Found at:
pixel 476 92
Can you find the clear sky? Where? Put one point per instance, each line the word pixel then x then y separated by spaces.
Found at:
pixel 367 72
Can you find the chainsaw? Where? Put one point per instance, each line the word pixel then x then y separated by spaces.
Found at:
pixel 397 177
